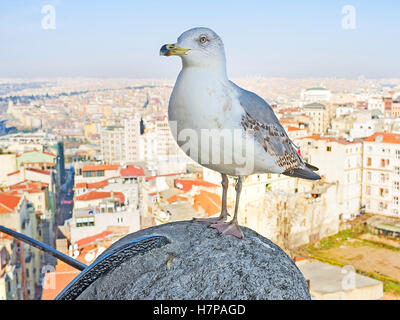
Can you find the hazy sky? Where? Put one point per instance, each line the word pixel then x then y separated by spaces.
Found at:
pixel 269 38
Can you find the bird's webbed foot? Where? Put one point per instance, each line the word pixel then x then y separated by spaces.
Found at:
pixel 228 228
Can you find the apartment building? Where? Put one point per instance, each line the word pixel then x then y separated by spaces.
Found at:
pixel 18 214
pixel 381 176
pixel 339 161
pixel 132 138
pixel 112 144
pixel 157 143
pixel 319 117
pixel 376 103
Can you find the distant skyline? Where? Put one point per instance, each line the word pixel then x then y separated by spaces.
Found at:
pixel 292 39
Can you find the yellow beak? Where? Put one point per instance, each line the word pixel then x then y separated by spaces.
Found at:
pixel 172 50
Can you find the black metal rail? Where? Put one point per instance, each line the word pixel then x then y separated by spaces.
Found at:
pixel 44 247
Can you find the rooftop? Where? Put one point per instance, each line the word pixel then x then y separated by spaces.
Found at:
pixel 132 171
pixel 314 105
pixel 325 278
pixel 100 167
pixel 89 240
pixel 186 185
pixel 384 137
pixel 210 202
pixel 340 140
pixel 93 185
pixel 316 89
pixel 8 202
pixel 96 195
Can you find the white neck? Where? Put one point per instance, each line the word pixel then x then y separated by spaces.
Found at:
pixel 215 67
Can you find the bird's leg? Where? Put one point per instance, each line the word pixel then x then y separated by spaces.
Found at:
pixel 224 211
pixel 232 226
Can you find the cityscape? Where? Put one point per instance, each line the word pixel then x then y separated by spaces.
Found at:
pixel 86 162
pixel 88 155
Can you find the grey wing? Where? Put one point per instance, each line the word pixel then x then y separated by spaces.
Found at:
pixel 261 121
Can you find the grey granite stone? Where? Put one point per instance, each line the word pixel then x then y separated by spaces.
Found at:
pixel 199 263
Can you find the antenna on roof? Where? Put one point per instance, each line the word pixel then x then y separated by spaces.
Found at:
pixel 44 247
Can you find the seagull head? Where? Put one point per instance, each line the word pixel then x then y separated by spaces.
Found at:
pixel 200 47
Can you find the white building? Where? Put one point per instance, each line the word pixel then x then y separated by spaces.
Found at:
pixel 342 110
pixel 339 161
pixel 112 143
pixel 376 103
pixel 87 222
pixel 132 137
pixel 121 143
pixel 319 117
pixel 362 129
pixel 316 95
pixel 159 148
pixel 381 174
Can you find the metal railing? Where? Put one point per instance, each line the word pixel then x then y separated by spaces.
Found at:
pixel 44 247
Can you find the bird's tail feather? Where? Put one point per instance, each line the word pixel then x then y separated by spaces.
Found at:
pixel 304 173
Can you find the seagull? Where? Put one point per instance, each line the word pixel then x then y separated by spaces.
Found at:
pixel 205 104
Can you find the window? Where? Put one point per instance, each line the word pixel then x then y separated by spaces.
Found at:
pixel 369 161
pixel 329 149
pixel 396 201
pixel 397 154
pixel 383 163
pixel 369 176
pixel 397 171
pixel 397 185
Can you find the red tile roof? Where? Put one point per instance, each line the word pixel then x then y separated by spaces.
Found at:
pixel 60 280
pixel 8 202
pixel 210 202
pixel 163 175
pixel 174 198
pixel 384 137
pixel 93 185
pixel 86 241
pixel 340 140
pixel 95 195
pixel 100 167
pixel 36 150
pixel 6 236
pixel 132 171
pixel 49 164
pixel 29 186
pixel 294 129
pixel 39 171
pixel 186 185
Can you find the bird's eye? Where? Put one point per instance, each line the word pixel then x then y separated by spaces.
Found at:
pixel 203 39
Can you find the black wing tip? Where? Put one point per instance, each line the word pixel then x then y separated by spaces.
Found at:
pixel 310 166
pixel 302 173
